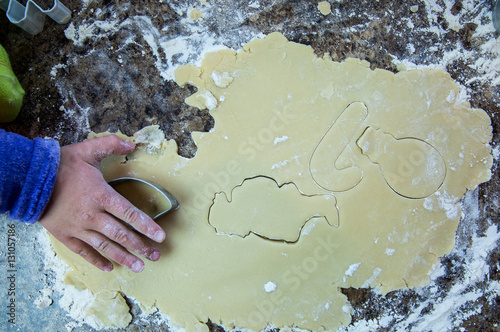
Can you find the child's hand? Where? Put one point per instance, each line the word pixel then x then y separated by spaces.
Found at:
pixel 84 209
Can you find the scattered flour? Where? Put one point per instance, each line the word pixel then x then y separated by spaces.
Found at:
pixel 449 204
pixel 43 300
pixel 279 164
pixel 350 271
pixel 184 49
pixel 222 80
pixel 489 62
pixel 73 301
pixel 485 61
pixel 210 101
pixel 389 251
pixel 429 203
pixel 270 287
pixel 87 30
pixel 77 302
pixel 449 308
pixel 254 4
pixel 370 281
pixel 308 227
pixel 280 139
pixel 53 72
pixel 496 153
pixel 353 268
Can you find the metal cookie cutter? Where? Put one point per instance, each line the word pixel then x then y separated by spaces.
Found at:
pixel 148 196
pixel 31 17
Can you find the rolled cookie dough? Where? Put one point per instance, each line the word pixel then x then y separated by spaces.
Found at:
pixel 278 112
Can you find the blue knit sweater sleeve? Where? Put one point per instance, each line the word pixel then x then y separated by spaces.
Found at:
pixel 27 175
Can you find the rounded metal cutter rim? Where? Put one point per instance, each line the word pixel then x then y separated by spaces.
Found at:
pixel 168 196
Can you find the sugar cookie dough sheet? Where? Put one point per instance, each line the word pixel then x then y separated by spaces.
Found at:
pixel 369 165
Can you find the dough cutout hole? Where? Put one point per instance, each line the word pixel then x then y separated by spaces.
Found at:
pixel 411 167
pixel 262 207
pixel 324 164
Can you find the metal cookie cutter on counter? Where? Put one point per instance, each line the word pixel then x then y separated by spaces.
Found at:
pixel 31 17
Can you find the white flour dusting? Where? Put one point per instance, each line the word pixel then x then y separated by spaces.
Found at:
pixel 496 153
pixel 370 281
pixel 489 62
pixel 72 301
pixel 353 268
pixel 448 204
pixel 183 49
pixel 486 61
pixel 448 308
pixel 350 271
pixel 389 251
pixel 76 302
pixel 270 287
pixel 280 139
pixel 84 31
pixel 43 299
pixel 279 164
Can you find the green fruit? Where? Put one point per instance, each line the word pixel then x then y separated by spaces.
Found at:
pixel 11 92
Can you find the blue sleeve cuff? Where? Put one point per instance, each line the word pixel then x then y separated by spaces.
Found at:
pixel 28 175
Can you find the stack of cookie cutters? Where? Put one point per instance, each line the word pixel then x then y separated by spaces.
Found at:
pixel 31 17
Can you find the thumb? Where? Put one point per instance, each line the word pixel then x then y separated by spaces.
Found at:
pixel 101 147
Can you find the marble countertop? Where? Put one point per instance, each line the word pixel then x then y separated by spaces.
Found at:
pixel 109 69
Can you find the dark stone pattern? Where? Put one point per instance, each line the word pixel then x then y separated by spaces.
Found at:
pixel 111 84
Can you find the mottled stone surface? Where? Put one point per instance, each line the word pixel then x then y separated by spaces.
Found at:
pixel 111 80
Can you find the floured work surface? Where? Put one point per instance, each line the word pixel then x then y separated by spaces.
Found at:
pixel 317 176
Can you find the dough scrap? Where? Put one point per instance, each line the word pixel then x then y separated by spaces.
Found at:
pixel 274 109
pixel 324 8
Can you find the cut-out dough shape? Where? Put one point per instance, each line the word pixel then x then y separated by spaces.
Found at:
pixel 410 166
pixel 323 165
pixel 262 207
